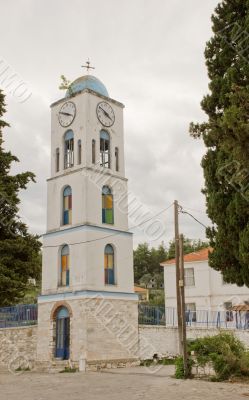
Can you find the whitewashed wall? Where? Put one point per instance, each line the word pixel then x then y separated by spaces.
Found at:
pixel 209 291
pixel 164 341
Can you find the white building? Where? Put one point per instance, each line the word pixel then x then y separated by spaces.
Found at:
pixel 204 287
pixel 87 272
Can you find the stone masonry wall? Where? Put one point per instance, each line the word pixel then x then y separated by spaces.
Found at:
pixel 18 347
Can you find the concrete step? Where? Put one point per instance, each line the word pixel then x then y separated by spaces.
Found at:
pixel 54 366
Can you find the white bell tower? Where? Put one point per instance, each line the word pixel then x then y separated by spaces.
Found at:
pixel 87 249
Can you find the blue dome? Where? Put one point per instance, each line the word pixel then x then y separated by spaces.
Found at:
pixel 87 82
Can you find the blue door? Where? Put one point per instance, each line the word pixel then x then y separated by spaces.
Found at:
pixel 62 334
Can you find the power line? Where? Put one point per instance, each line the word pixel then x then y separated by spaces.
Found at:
pixel 194 209
pixel 186 212
pixel 115 234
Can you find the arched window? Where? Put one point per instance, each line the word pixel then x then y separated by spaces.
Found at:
pixel 69 149
pixel 116 159
pixel 93 151
pixel 57 160
pixel 67 206
pixel 62 347
pixel 107 206
pixel 79 151
pixel 104 149
pixel 109 265
pixel 65 266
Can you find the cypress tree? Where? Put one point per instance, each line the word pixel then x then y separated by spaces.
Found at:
pixel 226 137
pixel 19 250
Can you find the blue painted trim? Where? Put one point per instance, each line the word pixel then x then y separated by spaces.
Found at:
pixel 62 313
pixel 87 228
pixel 91 293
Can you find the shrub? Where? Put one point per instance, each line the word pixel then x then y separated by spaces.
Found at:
pixel 179 370
pixel 225 352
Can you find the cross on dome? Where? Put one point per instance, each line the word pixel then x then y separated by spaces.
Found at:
pixel 87 66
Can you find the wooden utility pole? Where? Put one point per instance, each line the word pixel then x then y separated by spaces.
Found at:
pixel 183 315
pixel 178 294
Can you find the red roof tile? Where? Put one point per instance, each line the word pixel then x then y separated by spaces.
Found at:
pixel 200 255
pixel 139 289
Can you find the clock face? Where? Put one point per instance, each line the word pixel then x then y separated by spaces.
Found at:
pixel 105 114
pixel 67 113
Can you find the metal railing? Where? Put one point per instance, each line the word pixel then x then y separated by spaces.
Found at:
pixel 152 315
pixel 149 315
pixel 27 314
pixel 20 315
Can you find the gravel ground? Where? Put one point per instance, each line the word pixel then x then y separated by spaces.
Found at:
pixel 120 384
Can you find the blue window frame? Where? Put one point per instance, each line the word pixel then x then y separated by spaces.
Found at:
pixel 107 206
pixel 109 265
pixel 67 206
pixel 62 348
pixel 65 266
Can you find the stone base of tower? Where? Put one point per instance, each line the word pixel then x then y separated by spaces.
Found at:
pixel 103 330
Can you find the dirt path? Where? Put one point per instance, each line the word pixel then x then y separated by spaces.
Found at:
pixel 120 384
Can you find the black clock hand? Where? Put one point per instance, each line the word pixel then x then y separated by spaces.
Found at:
pixel 65 113
pixel 106 113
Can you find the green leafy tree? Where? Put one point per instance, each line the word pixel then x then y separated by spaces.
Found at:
pixel 19 250
pixel 141 261
pixel 147 261
pixel 188 246
pixel 145 280
pixel 226 137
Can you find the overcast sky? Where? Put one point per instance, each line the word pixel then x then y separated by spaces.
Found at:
pixel 149 55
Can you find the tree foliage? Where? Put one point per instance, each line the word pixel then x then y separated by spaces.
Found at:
pixel 226 137
pixel 188 246
pixel 147 261
pixel 19 250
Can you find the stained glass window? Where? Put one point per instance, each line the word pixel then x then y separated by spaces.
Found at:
pixel 67 206
pixel 109 265
pixel 107 206
pixel 65 266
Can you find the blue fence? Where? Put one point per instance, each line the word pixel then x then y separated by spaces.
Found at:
pixel 149 315
pixel 20 315
pixel 24 315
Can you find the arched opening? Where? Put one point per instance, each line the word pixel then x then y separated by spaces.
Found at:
pixel 62 346
pixel 69 149
pixel 109 265
pixel 107 206
pixel 67 206
pixel 57 160
pixel 65 266
pixel 116 159
pixel 93 151
pixel 79 151
pixel 104 149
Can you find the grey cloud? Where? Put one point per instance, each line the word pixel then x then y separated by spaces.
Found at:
pixel 149 54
